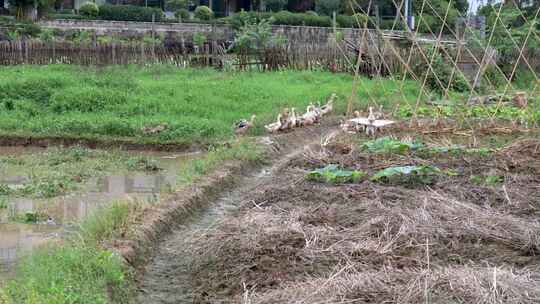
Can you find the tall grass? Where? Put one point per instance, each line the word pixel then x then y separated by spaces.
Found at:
pixel 78 270
pixel 198 105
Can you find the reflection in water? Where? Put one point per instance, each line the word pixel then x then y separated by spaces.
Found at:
pixel 66 211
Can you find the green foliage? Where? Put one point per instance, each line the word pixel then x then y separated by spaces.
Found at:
pixel 199 39
pixel 275 5
pixel 143 163
pixel 176 5
pixel 130 13
pixel 243 150
pixel 72 273
pixel 3 202
pixel 256 36
pixel 58 171
pixel 105 223
pixel 441 75
pixel 422 174
pixel 335 175
pixel 288 18
pixel 89 9
pixel 203 12
pixel 327 7
pixel 490 180
pixel 182 14
pixel 20 29
pixel 389 145
pixel 431 19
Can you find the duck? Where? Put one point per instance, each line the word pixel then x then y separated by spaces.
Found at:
pixel 275 126
pixel 243 125
pixel 370 129
pixel 328 107
pixel 293 119
pixel 379 114
pixel 285 119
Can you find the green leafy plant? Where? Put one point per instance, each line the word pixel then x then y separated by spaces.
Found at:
pixel 89 9
pixel 491 180
pixel 423 174
pixel 335 175
pixel 199 39
pixel 203 12
pixel 389 145
pixel 3 203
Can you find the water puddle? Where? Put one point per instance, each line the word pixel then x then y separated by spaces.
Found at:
pixel 61 214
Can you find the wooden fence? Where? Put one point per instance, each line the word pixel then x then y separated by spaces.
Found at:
pixel 338 57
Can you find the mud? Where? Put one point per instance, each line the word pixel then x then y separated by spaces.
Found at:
pixel 44 142
pixel 59 216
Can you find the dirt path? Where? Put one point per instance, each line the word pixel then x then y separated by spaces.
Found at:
pixel 165 278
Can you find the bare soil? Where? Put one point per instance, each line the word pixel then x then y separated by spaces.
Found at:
pixel 279 238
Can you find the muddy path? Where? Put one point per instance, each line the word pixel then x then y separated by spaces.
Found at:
pixel 166 277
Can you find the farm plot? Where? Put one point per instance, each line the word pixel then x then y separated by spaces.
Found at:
pixel 430 219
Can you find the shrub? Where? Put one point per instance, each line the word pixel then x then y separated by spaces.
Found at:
pixel 176 5
pixel 182 14
pixel 288 18
pixel 441 74
pixel 275 5
pixel 204 13
pixel 89 9
pixel 327 7
pixel 312 13
pixel 129 13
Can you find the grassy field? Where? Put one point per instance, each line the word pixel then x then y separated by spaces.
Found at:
pixel 199 106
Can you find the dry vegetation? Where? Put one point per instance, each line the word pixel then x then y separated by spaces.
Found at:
pixel 454 240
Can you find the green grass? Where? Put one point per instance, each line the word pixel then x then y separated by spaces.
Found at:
pixel 243 150
pixel 78 270
pixel 199 106
pixel 56 171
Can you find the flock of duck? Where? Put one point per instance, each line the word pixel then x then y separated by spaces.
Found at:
pixel 289 119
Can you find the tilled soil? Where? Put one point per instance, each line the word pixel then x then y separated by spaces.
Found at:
pixel 279 238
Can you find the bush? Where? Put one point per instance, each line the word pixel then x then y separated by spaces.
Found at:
pixel 327 7
pixel 204 13
pixel 176 5
pixel 89 9
pixel 438 79
pixel 275 5
pixel 182 14
pixel 129 13
pixel 288 18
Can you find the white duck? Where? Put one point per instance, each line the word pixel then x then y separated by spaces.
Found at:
pixel 370 129
pixel 328 107
pixel 275 126
pixel 293 119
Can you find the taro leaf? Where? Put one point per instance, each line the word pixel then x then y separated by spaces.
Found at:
pixel 389 145
pixel 333 174
pixel 423 170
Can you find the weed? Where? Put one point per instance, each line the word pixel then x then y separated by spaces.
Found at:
pixel 333 174
pixel 491 180
pixel 389 145
pixel 143 163
pixel 105 223
pixel 423 174
pixel 243 150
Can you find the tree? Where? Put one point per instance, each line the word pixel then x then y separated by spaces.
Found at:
pixel 30 9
